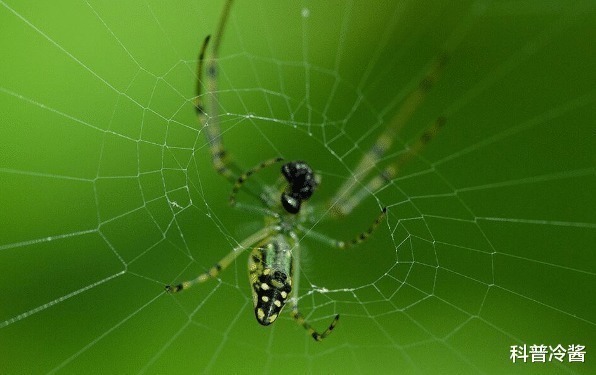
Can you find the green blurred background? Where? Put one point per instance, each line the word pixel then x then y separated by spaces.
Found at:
pixel 107 192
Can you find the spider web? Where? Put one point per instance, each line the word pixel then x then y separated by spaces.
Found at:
pixel 107 192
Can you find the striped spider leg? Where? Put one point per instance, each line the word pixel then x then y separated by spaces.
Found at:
pixel 345 199
pixel 208 114
pixel 224 262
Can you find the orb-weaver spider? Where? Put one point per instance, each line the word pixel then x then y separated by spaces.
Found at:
pixel 274 259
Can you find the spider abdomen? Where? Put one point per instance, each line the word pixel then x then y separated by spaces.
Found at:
pixel 270 274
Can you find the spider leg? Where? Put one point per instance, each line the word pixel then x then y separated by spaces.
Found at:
pixel 311 331
pixel 385 140
pixel 346 205
pixel 199 84
pixel 208 115
pixel 242 179
pixel 224 262
pixel 296 315
pixel 363 236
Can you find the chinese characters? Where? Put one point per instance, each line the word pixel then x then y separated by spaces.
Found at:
pixel 546 353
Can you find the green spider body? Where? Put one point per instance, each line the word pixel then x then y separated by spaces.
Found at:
pixel 270 271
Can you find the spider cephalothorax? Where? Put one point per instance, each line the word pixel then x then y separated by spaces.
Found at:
pixel 301 185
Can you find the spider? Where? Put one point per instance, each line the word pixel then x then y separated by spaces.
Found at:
pixel 273 263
